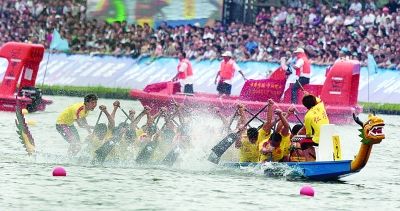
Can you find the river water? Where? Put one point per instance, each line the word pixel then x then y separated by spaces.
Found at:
pixel 26 182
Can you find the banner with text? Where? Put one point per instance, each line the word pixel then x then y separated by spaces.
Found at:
pixel 108 71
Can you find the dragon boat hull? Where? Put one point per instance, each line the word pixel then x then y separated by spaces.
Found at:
pixel 319 170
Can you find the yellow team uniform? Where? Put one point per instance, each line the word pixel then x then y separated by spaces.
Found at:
pixel 262 135
pixel 314 118
pixel 248 151
pixel 122 150
pixel 285 145
pixel 278 153
pixel 72 113
pixel 95 143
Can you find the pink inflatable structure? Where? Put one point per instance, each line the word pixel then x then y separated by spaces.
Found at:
pixel 20 77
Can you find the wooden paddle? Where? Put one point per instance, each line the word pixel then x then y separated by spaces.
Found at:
pixel 145 154
pixel 103 151
pixel 232 119
pixel 301 86
pixel 123 111
pixel 172 155
pixel 249 112
pixel 219 149
pixel 297 117
pixel 98 120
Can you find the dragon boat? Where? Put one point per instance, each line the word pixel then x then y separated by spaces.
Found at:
pixel 329 165
pixel 20 77
pixel 339 93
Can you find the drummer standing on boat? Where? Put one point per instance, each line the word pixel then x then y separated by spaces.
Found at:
pixel 226 74
pixel 303 72
pixel 185 73
pixel 315 117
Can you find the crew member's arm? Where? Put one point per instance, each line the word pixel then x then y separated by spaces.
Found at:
pixel 266 148
pixel 216 77
pixel 238 143
pixel 150 121
pixel 83 124
pixel 287 115
pixel 268 123
pixel 146 111
pixel 181 69
pixel 285 129
pixel 299 64
pixel 135 121
pixel 241 124
pixel 111 121
pixel 242 117
pixel 237 68
pixel 116 105
pixel 151 118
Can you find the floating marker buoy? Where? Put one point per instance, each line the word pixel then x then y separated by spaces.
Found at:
pixel 307 190
pixel 59 172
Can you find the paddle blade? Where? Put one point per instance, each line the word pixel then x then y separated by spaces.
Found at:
pixel 219 149
pixel 147 151
pixel 105 149
pixel 171 156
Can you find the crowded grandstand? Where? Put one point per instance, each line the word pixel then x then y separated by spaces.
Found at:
pixel 326 30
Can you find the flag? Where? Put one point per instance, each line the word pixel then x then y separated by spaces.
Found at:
pixel 371 64
pixel 58 43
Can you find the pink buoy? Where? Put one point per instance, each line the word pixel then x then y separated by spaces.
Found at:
pixel 59 172
pixel 307 190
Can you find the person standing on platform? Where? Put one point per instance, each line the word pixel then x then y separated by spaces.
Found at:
pixel 303 72
pixel 185 73
pixel 226 73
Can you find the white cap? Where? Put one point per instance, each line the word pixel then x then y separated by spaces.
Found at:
pixel 299 50
pixel 227 53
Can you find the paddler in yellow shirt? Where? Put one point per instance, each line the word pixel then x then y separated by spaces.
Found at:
pixel 248 143
pixel 284 129
pixel 276 147
pixel 75 113
pixel 146 132
pixel 101 131
pixel 265 131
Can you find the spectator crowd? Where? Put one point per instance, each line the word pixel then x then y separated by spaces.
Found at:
pixel 326 32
